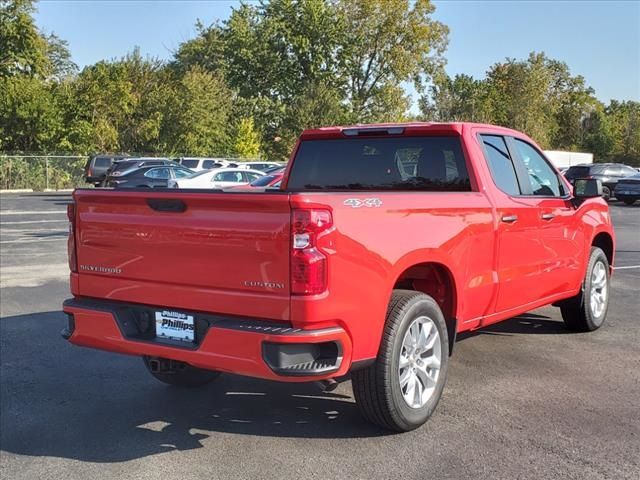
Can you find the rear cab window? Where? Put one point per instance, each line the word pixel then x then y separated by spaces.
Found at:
pixel 429 164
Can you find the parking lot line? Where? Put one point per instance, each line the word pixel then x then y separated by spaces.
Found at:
pixel 35 240
pixel 33 212
pixel 628 267
pixel 21 222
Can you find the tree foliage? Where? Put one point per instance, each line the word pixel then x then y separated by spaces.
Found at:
pixel 249 85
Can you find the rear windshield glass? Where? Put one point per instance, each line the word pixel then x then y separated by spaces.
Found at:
pixel 102 162
pixel 189 163
pixel 406 163
pixel 577 172
pixel 120 166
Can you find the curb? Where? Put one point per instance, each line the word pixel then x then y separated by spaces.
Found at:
pixel 17 190
pixel 61 190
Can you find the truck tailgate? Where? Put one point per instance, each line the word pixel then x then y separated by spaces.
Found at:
pixel 217 252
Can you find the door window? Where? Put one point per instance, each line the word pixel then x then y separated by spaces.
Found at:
pixel 180 173
pixel 250 176
pixel 235 177
pixel 544 180
pixel 500 164
pixel 160 173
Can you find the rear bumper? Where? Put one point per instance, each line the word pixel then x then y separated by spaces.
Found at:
pixel 255 348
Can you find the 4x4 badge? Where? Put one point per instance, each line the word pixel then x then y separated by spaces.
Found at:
pixel 367 202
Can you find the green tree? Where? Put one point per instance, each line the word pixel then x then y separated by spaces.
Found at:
pixel 22 47
pixel 246 140
pixel 29 115
pixel 382 44
pixel 461 98
pixel 197 121
pixel 359 52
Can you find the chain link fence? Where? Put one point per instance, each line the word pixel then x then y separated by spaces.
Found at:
pixel 41 172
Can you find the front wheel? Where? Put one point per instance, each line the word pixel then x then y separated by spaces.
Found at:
pixel 401 389
pixel 587 311
pixel 606 193
pixel 629 201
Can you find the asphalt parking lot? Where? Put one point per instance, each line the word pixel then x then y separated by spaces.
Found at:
pixel 525 398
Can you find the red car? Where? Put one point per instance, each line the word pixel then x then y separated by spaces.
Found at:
pixel 271 180
pixel 382 243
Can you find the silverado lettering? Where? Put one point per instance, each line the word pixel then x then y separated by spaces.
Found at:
pixel 382 244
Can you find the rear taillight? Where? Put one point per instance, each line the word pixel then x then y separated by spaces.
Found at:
pixel 308 263
pixel 71 241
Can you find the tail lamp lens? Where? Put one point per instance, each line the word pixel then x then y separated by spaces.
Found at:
pixel 308 263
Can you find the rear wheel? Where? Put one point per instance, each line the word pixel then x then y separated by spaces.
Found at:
pixel 587 311
pixel 401 389
pixel 606 192
pixel 179 374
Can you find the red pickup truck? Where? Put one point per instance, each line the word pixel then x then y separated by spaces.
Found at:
pixel 382 243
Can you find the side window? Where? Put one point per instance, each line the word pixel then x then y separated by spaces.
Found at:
pixel 179 173
pixel 161 173
pixel 209 164
pixel 542 177
pixel 228 177
pixel 251 176
pixel 500 164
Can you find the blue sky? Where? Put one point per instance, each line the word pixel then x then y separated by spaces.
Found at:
pixel 599 40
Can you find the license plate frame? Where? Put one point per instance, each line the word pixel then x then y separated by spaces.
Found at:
pixel 175 326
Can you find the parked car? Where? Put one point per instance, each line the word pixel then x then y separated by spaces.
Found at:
pixel 357 265
pixel 262 166
pixel 266 181
pixel 95 170
pixel 279 168
pixel 121 167
pixel 218 178
pixel 199 164
pixel 608 173
pixel 148 176
pixel 628 189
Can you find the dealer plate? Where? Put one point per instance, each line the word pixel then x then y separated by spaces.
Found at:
pixel 175 326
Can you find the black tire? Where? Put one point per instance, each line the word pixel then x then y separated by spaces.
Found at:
pixel 183 375
pixel 377 389
pixel 629 201
pixel 577 312
pixel 606 192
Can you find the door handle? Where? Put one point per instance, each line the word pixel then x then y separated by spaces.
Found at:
pixel 548 216
pixel 167 205
pixel 509 218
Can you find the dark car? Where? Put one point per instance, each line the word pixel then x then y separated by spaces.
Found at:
pixel 608 173
pixel 150 176
pixel 95 171
pixel 628 189
pixel 119 167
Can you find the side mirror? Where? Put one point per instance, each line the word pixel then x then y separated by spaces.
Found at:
pixel 584 188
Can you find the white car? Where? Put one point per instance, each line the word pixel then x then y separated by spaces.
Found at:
pixel 197 164
pixel 217 178
pixel 259 165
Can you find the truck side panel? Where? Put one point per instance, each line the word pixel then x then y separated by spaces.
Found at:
pixel 371 247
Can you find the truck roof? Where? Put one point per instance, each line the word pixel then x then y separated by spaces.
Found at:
pixel 408 128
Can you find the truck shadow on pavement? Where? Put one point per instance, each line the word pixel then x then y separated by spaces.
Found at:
pixel 527 324
pixel 64 401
